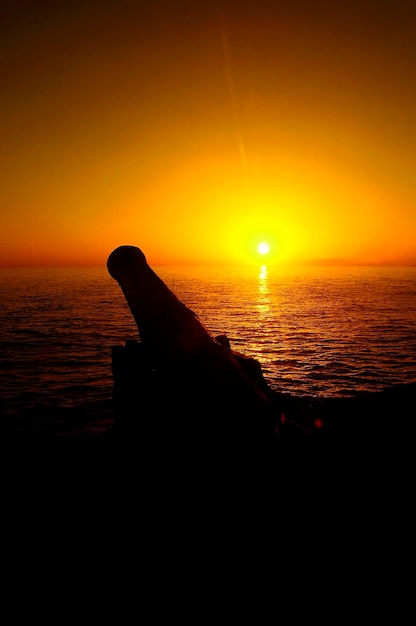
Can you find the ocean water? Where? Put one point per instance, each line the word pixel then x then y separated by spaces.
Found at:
pixel 322 332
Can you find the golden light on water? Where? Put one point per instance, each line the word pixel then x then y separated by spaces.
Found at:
pixel 263 278
pixel 264 304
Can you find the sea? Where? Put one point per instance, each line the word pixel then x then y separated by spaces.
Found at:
pixel 317 331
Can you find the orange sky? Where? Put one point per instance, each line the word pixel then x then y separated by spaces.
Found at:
pixel 195 129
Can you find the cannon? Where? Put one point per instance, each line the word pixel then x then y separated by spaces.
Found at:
pixel 178 381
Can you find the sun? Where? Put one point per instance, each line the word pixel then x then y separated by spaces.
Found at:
pixel 263 248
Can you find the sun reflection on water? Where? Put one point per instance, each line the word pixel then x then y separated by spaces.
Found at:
pixel 263 276
pixel 264 301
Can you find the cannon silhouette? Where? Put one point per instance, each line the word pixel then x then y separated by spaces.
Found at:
pixel 179 381
pixel 199 414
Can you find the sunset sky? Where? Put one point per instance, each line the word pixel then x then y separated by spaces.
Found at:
pixel 196 130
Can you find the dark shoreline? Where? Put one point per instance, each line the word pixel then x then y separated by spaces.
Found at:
pixel 367 415
pixel 350 456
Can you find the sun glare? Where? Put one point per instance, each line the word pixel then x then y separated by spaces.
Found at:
pixel 263 248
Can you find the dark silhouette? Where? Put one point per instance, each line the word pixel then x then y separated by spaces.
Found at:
pixel 182 395
pixel 180 383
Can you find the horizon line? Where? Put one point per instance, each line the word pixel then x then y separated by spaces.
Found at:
pixel 310 263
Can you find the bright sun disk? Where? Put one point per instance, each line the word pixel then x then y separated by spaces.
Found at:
pixel 263 248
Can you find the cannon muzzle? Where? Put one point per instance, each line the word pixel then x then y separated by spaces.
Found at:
pixel 167 327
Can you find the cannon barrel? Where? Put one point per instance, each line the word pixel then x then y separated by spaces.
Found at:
pixel 167 327
pixel 192 373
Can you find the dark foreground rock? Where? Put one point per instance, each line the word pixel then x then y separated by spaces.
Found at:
pixel 347 486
